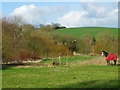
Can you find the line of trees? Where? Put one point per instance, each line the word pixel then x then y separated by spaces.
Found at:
pixel 51 27
pixel 18 44
pixel 28 43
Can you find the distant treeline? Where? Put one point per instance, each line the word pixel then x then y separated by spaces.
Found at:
pixel 51 27
pixel 22 42
pixel 60 27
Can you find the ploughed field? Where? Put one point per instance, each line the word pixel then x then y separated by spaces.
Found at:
pixel 72 72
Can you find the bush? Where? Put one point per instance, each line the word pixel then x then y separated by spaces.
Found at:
pixel 106 41
pixel 24 55
pixel 60 50
pixel 85 44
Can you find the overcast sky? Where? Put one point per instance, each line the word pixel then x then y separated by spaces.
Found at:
pixel 69 14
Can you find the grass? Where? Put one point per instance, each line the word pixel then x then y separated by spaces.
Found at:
pixel 79 32
pixel 77 76
pixel 67 59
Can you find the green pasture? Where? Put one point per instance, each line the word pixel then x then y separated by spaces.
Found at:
pixel 77 76
pixel 81 31
pixel 66 59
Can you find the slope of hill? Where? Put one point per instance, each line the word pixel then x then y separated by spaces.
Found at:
pixel 79 32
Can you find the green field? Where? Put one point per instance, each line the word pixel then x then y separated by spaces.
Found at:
pixel 79 32
pixel 77 72
pixel 66 60
pixel 82 73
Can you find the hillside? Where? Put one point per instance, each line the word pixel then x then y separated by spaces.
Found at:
pixel 79 32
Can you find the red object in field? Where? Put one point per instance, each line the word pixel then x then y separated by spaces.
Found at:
pixel 111 57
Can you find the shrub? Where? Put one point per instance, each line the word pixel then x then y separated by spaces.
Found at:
pixel 85 44
pixel 106 41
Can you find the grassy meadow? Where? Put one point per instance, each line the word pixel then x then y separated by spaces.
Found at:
pixel 79 72
pixel 81 31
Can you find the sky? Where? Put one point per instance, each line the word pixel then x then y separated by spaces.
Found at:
pixel 69 14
